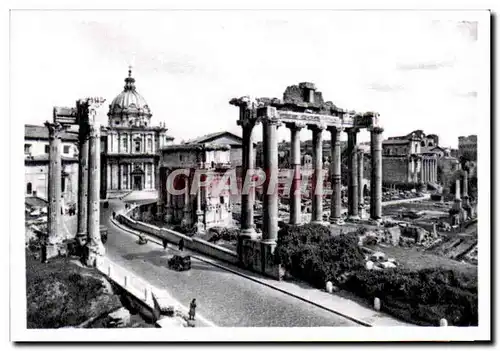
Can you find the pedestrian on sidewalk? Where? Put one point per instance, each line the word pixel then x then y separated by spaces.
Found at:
pixel 114 214
pixel 181 244
pixel 165 244
pixel 192 309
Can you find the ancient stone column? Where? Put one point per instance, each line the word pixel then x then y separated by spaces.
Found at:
pixel 270 206
pixel 457 189
pixel 295 195
pixel 352 184
pixel 95 248
pixel 317 182
pixel 361 199
pixel 168 202
pixel 248 167
pixel 409 178
pixel 160 212
pixel 200 226
pixel 187 218
pixel 54 229
pixel 465 188
pixel 376 173
pixel 335 173
pixel 83 178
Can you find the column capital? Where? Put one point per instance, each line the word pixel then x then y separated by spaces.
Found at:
pixel 334 129
pixel 376 130
pixel 247 123
pixel 351 130
pixel 55 130
pixel 295 125
pixel 316 126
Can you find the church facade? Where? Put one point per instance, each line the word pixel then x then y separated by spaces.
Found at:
pixel 130 145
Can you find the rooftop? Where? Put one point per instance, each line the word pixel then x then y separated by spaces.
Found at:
pixel 396 141
pixel 41 132
pixel 212 136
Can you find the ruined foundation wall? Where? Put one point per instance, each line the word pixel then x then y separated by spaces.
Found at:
pixel 394 169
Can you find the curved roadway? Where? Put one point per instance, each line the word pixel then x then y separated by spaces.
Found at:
pixel 224 298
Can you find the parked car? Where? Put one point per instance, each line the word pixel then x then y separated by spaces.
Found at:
pixel 180 262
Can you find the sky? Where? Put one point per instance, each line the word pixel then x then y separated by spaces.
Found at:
pixel 416 71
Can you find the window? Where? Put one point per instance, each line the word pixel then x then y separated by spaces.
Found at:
pixel 180 157
pixel 66 149
pixel 63 184
pixel 222 200
pixel 47 149
pixel 137 146
pixel 27 148
pixel 125 144
pixel 150 145
pixel 28 188
pixel 422 143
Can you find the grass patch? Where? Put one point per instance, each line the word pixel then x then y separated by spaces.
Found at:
pixel 60 293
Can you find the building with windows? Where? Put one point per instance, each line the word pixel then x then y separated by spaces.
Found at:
pixel 201 207
pixel 410 159
pixel 130 144
pixel 36 163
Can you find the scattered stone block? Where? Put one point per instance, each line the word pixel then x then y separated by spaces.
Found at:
pixel 329 287
pixel 119 318
pixel 376 304
pixel 443 322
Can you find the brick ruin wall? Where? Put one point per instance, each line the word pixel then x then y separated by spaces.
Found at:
pixel 394 170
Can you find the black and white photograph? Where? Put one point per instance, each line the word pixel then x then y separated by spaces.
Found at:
pixel 250 175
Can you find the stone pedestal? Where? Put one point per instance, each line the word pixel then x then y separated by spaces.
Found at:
pixel 269 267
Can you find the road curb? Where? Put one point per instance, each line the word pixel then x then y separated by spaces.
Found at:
pixel 353 319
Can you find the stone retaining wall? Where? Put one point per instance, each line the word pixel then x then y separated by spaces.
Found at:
pixel 195 244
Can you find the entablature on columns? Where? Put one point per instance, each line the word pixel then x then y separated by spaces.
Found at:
pixel 303 104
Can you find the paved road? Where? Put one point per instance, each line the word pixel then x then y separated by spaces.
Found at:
pixel 224 298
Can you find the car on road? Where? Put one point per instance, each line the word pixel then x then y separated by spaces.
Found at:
pixel 180 262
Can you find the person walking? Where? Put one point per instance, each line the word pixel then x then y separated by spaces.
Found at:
pixel 192 309
pixel 181 244
pixel 165 244
pixel 114 214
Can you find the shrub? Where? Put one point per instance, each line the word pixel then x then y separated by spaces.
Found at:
pixel 309 252
pixel 421 297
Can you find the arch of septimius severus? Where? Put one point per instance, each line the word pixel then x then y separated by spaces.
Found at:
pixel 302 106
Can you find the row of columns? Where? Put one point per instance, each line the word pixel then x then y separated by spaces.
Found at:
pixel 270 124
pixel 165 206
pixel 88 191
pixel 428 170
pixel 89 177
pixel 120 168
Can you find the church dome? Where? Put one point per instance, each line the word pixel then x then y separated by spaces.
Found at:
pixel 129 107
